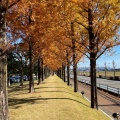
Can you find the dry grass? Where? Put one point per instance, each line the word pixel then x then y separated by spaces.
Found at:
pixel 52 100
pixel 108 73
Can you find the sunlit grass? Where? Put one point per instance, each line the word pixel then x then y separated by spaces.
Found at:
pixel 52 100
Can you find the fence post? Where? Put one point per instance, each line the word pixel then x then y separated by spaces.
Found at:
pixel 99 85
pixel 118 92
pixel 107 88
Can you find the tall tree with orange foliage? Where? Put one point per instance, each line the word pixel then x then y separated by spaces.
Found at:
pixel 4 6
pixel 29 24
pixel 99 22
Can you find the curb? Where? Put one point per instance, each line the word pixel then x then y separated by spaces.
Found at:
pixel 98 108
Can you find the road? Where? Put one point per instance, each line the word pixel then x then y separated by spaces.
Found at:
pixel 111 83
pixel 108 85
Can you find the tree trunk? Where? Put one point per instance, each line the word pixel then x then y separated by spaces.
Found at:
pixel 68 71
pixel 68 75
pixel 92 45
pixel 94 99
pixel 64 73
pixel 39 71
pixel 48 71
pixel 59 73
pixel 3 67
pixel 21 70
pixel 31 81
pixel 74 59
pixel 42 69
pixel 75 75
pixel 45 72
pixel 21 79
pixel 3 89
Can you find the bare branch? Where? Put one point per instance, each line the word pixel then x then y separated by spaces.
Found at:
pixel 102 52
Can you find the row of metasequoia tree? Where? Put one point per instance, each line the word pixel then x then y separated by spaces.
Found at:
pixel 56 34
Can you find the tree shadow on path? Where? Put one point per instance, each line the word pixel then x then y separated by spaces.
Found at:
pixel 16 103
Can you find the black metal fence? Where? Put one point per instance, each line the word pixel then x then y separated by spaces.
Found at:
pixel 102 86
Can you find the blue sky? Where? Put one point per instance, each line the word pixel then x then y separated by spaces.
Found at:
pixel 105 58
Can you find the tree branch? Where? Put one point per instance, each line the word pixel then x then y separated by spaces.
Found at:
pixel 84 53
pixel 13 4
pixel 81 24
pixel 102 52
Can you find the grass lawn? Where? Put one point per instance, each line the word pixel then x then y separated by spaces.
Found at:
pixel 52 100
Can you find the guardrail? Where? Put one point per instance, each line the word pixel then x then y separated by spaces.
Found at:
pixel 102 86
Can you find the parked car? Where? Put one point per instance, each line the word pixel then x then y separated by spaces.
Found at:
pixel 17 78
pixel 14 79
pixel 25 78
pixel 11 80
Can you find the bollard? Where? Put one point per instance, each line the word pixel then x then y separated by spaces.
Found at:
pixel 115 115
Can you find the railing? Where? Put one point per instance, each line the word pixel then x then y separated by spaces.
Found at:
pixel 102 86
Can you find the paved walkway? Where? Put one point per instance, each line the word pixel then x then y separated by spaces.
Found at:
pixel 107 102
